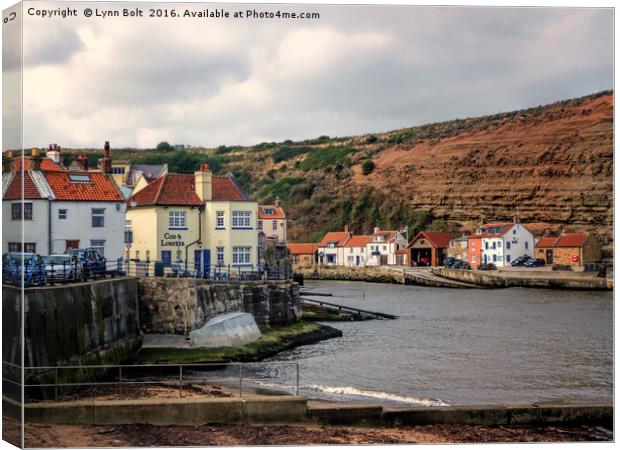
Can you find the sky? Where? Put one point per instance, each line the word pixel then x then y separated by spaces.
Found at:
pixel 357 69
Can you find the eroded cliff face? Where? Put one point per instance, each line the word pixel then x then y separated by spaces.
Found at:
pixel 553 167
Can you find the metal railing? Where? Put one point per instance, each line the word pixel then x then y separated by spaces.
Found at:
pixel 57 382
pixel 52 274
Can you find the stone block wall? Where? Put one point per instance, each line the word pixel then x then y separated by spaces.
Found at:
pixel 180 305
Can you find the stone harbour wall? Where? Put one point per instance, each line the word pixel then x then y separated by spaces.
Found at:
pixel 180 305
pixel 77 324
pixel 340 273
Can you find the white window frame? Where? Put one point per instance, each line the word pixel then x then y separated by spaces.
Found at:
pixel 242 256
pixel 219 220
pixel 219 252
pixel 177 220
pixel 98 214
pixel 63 212
pixel 242 220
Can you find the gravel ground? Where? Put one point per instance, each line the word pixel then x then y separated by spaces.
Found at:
pixel 41 435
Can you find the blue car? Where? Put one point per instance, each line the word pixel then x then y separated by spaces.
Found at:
pixel 29 265
pixel 92 264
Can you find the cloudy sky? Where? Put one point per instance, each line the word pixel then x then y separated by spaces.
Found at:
pixel 357 69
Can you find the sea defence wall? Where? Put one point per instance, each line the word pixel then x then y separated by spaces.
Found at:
pixel 529 279
pixel 78 324
pixel 180 305
pixel 368 274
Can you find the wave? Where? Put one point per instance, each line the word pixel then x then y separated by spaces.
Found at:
pixel 348 390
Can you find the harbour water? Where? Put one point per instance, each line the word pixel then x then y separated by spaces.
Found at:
pixel 463 347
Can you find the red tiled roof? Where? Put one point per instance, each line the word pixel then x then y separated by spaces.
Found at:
pixel 14 190
pixel 337 237
pixel 437 239
pixel 302 249
pixel 101 188
pixel 177 189
pixel 225 188
pixel 546 242
pixel 278 213
pixel 357 241
pixel 46 164
pixel 505 227
pixel 564 240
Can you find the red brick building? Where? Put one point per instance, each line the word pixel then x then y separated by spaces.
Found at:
pixel 574 249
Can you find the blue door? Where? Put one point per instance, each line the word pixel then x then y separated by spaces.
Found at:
pixel 485 259
pixel 357 260
pixel 197 257
pixel 166 257
pixel 206 258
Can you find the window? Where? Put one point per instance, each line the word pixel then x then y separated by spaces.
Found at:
pixel 166 257
pixel 331 259
pixel 473 246
pixel 62 214
pixel 507 258
pixel 526 245
pixel 30 247
pixel 16 211
pixel 384 247
pixel 494 257
pixel 79 178
pixel 176 220
pixel 486 245
pixel 473 258
pixel 118 170
pixel 138 255
pixel 350 259
pixel 148 255
pixel 514 231
pixel 241 219
pixel 269 211
pixel 98 245
pixel 260 224
pixel 274 225
pixel 507 245
pixel 97 217
pixel 331 245
pixel 220 256
pixel 241 255
pixel 16 247
pixel 219 221
pixel 499 244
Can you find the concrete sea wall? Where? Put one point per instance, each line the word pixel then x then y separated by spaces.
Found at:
pixel 179 305
pixel 82 323
pixel 530 279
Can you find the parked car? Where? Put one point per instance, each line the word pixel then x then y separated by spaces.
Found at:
pixel 449 261
pixel 62 268
pixel 520 261
pixel 92 264
pixel 538 262
pixel 487 266
pixel 29 265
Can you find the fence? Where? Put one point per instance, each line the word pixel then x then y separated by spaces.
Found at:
pixel 129 381
pixel 51 274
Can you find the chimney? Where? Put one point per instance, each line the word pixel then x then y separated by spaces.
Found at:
pixel 346 228
pixel 204 183
pixel 376 230
pixel 36 158
pixel 82 161
pixel 7 161
pixel 54 153
pixel 277 201
pixel 105 163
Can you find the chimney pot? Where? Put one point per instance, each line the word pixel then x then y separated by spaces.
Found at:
pixel 204 167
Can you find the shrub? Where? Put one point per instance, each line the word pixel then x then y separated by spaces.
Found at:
pixel 367 167
pixel 371 138
pixel 326 157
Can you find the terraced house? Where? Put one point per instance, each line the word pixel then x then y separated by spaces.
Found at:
pixel 204 219
pixel 61 209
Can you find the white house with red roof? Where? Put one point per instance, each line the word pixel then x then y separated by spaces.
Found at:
pixel 61 209
pixel 331 249
pixel 383 245
pixel 356 251
pixel 204 219
pixel 272 222
pixel 500 243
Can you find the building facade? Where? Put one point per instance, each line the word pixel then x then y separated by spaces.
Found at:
pixel 356 251
pixel 202 219
pixel 61 209
pixel 457 248
pixel 572 249
pixel 382 247
pixel 331 247
pixel 303 256
pixel 272 222
pixel 500 244
pixel 428 248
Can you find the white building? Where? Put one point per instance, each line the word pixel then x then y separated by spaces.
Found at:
pixel 331 249
pixel 355 251
pixel 500 244
pixel 61 209
pixel 382 246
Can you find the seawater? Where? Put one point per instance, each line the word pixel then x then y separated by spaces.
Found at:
pixel 463 347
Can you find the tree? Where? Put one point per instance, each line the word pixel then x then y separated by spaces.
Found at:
pixel 163 146
pixel 367 167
